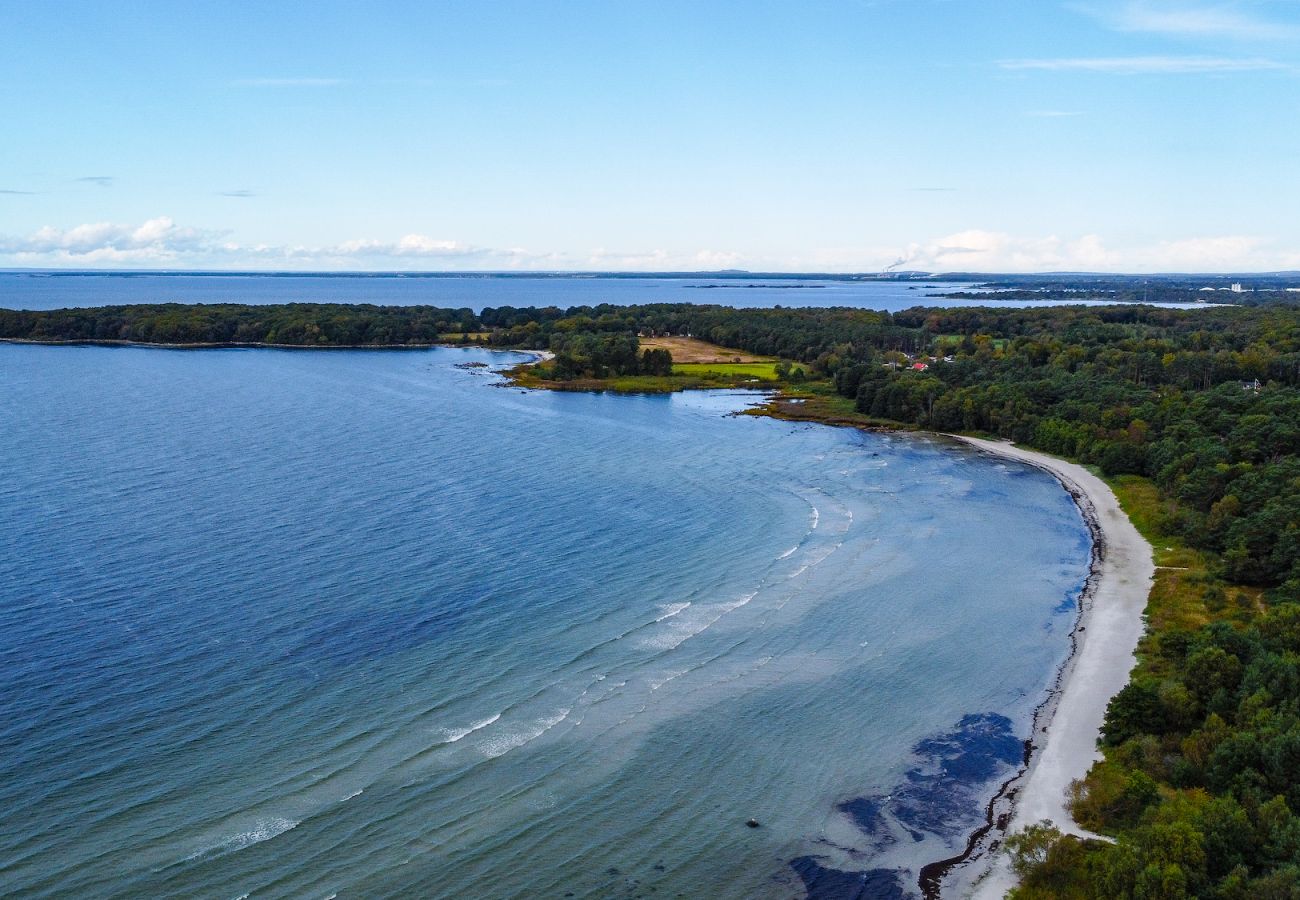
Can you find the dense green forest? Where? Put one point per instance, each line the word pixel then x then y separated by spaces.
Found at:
pixel 1194 415
pixel 1127 293
pixel 293 324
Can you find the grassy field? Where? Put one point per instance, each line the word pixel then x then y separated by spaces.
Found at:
pixel 763 371
pixel 454 337
pixel 697 365
pixel 693 350
pixel 708 377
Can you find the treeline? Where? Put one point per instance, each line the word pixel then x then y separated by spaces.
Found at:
pixel 1133 293
pixel 1201 781
pixel 295 324
pixel 587 355
pixel 798 334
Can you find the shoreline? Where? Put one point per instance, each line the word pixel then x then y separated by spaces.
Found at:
pixel 539 355
pixel 1067 724
pixel 221 345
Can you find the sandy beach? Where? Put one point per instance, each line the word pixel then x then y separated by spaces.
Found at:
pixel 1066 728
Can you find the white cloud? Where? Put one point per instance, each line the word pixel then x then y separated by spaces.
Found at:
pixel 156 240
pixel 1147 65
pixel 991 251
pixel 161 242
pixel 658 260
pixel 1213 254
pixel 1181 20
pixel 410 245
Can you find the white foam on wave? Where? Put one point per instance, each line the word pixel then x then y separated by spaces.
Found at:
pixel 451 736
pixel 787 554
pixel 815 517
pixel 814 559
pixel 657 683
pixel 262 830
pixel 504 743
pixel 682 629
pixel 672 609
pixel 737 604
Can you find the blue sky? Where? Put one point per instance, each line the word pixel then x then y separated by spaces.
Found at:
pixel 1012 135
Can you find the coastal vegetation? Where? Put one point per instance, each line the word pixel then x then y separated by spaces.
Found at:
pixel 1193 416
pixel 291 324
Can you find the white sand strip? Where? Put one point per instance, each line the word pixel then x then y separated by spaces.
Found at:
pixel 1068 726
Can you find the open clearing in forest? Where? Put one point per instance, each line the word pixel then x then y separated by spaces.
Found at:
pixel 763 371
pixel 693 350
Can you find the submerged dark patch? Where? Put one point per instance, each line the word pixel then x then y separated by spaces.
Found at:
pixel 939 796
pixel 823 883
pixel 865 812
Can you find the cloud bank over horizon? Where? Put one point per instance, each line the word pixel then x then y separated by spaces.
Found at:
pixel 161 243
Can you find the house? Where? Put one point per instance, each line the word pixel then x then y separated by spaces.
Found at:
pixel 920 367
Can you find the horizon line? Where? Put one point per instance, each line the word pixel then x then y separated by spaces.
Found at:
pixel 904 275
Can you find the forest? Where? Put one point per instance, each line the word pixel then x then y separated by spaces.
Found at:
pixel 1194 412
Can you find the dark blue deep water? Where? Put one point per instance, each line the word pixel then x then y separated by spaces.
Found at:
pixel 286 624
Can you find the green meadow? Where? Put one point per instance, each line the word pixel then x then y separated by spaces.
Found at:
pixel 763 371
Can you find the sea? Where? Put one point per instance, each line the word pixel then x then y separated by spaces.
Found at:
pixel 53 289
pixel 281 623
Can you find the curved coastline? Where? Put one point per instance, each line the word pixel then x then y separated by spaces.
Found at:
pixel 1068 723
pixel 1066 726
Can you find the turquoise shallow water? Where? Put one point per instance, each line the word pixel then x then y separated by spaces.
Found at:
pixel 283 623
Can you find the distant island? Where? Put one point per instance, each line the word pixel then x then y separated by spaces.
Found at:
pixel 770 287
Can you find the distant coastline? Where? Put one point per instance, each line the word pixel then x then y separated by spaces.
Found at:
pixel 766 287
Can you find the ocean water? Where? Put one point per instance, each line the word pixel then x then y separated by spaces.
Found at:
pixel 370 624
pixel 45 290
